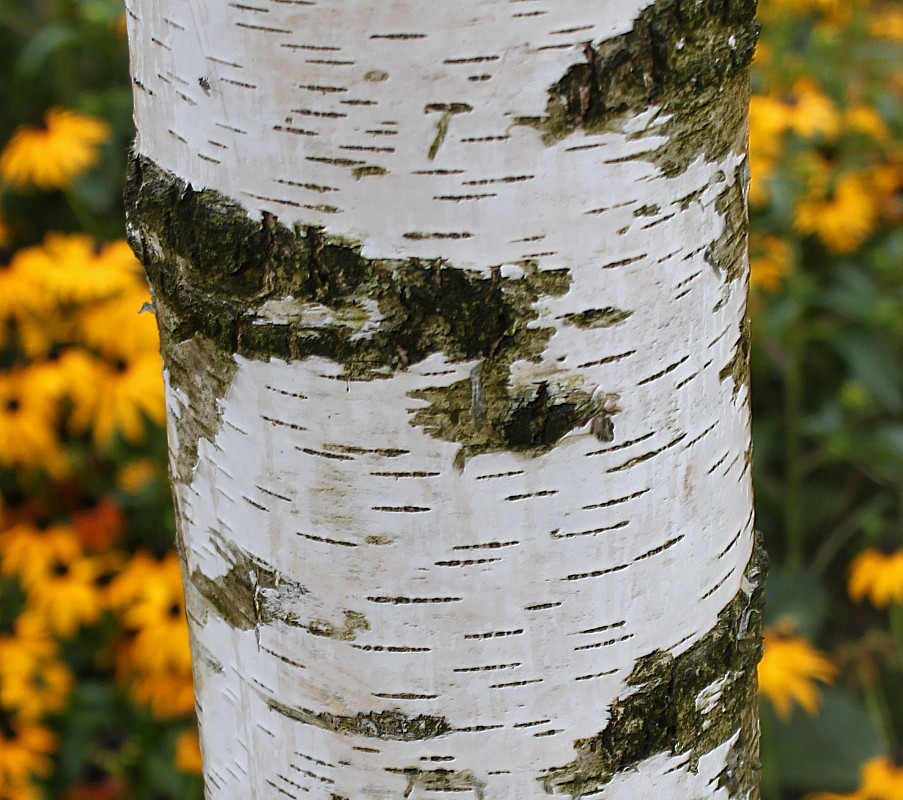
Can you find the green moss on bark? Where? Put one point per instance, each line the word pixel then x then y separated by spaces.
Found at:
pixel 224 283
pixel 386 725
pixel 690 58
pixel 666 709
pixel 441 780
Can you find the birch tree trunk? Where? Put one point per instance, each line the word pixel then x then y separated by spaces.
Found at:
pixel 452 302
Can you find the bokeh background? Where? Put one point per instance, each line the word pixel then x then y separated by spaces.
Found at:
pixel 95 677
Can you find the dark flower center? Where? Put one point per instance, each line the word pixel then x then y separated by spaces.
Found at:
pixel 175 610
pixel 13 405
pixel 60 569
pixel 95 774
pixel 7 731
pixel 120 366
pixel 104 579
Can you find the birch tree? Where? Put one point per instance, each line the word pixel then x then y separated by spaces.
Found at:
pixel 452 304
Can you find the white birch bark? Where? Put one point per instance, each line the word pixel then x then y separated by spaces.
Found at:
pixel 381 607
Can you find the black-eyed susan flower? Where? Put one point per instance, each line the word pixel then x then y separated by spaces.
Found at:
pixel 842 211
pixel 74 268
pixel 812 113
pixel 878 576
pixel 116 328
pixel 789 670
pixel 27 639
pixel 64 594
pixel 25 750
pixel 23 791
pixel 771 258
pixel 188 752
pixel 168 694
pixel 769 119
pixel 865 119
pixel 881 778
pixel 121 393
pixel 887 23
pixel 27 548
pixel 107 567
pixel 28 423
pixel 21 293
pixel 31 685
pixel 158 616
pixel 52 155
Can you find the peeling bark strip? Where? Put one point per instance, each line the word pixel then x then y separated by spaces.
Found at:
pixel 452 306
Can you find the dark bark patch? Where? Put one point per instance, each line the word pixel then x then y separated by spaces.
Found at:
pixel 662 713
pixel 596 318
pixel 386 725
pixel 440 780
pixel 688 57
pixel 213 270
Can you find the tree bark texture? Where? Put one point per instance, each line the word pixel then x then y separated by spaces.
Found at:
pixel 452 300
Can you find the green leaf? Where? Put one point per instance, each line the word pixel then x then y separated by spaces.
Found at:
pixel 52 37
pixel 798 594
pixel 822 752
pixel 873 360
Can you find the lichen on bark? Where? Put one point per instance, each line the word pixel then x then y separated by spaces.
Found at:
pixel 689 58
pixel 225 283
pixel 388 724
pixel 661 711
pixel 441 780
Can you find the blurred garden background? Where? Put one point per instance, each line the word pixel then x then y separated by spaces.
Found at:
pixel 95 677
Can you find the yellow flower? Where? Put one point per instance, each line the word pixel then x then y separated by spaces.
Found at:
pixel 153 658
pixel 878 576
pixel 119 392
pixel 29 548
pixel 24 751
pixel 136 475
pixel 188 752
pixel 22 791
pixel 29 640
pixel 788 671
pixel 21 293
pixel 33 686
pixel 73 267
pixel 769 119
pixel 773 260
pixel 28 423
pixel 169 694
pixel 116 329
pixel 843 218
pixel 881 778
pixel 865 119
pixel 65 594
pixel 887 24
pixel 142 570
pixel 52 155
pixel 812 113
pixel 158 616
